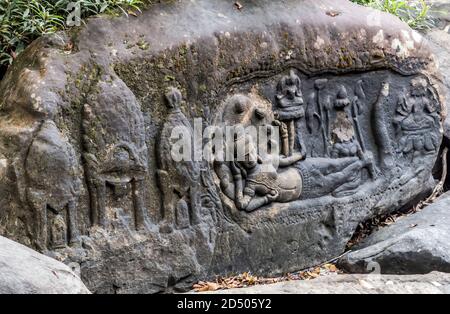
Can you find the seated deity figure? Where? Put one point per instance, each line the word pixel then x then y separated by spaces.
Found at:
pixel 343 135
pixel 416 118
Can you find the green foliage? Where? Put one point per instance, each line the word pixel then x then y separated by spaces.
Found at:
pixel 414 12
pixel 22 21
pixel 363 2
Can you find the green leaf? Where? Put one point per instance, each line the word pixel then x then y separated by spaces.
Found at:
pixel 104 7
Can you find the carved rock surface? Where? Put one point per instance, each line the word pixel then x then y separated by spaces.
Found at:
pixel 416 244
pixel 355 95
pixel 24 271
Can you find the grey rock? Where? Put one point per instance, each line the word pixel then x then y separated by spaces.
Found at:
pixel 434 283
pixel 415 244
pixel 440 12
pixel 440 43
pixel 24 271
pixel 86 118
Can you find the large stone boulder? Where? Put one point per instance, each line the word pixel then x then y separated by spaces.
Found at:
pixel 349 100
pixel 416 244
pixel 24 271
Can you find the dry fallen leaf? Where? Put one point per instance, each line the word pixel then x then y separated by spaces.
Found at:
pixel 333 13
pixel 330 267
pixel 206 286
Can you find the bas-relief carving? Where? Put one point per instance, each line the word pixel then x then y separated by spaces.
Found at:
pixel 115 159
pixel 178 180
pixel 187 186
pixel 324 149
pixel 115 153
pixel 416 119
pixel 290 110
pixel 346 162
pixel 257 182
pixel 52 188
pixel 341 165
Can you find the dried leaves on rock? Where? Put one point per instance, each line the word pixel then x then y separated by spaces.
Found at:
pixel 247 279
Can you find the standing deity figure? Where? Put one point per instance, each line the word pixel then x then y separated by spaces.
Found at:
pixel 290 108
pixel 179 180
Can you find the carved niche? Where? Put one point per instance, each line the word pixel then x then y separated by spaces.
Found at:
pixel 52 188
pixel 114 152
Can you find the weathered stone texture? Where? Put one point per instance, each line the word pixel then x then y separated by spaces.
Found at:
pixel 417 244
pixel 86 172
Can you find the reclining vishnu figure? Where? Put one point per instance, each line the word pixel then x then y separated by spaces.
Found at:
pixel 253 181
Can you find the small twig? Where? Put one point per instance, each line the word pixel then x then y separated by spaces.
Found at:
pixel 335 259
pixel 238 5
